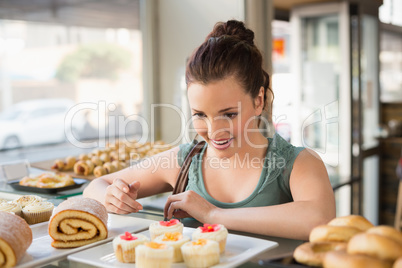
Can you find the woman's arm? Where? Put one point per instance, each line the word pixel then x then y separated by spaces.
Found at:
pixel 314 204
pixel 118 191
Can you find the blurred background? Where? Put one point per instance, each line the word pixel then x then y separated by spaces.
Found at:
pixel 76 74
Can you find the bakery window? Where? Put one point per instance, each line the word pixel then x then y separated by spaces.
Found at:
pixel 63 57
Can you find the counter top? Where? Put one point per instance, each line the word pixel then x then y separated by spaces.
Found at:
pixel 285 246
pixel 152 211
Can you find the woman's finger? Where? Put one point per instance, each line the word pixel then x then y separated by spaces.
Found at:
pixel 181 214
pixel 123 197
pixel 120 207
pixel 122 185
pixel 171 198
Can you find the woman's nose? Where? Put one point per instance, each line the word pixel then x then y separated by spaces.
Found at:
pixel 218 125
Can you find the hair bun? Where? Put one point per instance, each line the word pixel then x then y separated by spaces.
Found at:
pixel 233 28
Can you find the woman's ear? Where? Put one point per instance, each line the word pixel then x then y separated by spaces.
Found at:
pixel 259 101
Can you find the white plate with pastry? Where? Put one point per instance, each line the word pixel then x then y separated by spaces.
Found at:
pixel 41 251
pixel 239 249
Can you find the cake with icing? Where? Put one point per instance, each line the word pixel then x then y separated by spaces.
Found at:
pixel 124 246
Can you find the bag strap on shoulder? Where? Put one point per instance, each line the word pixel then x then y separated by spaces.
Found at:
pixel 182 178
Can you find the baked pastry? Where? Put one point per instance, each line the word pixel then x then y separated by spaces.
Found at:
pixel 216 232
pixel 387 231
pixel 375 245
pixel 355 221
pixel 84 167
pixel 326 233
pixel 96 160
pixel 67 164
pixel 152 254
pixel 15 238
pixel 99 171
pixel 58 164
pixel 398 263
pixel 109 168
pixel 48 180
pixel 119 165
pixel 312 253
pixel 200 253
pixel 176 240
pixel 159 228
pixel 77 222
pixel 337 259
pixel 3 200
pixel 28 181
pixel 70 161
pixel 83 157
pixel 28 199
pixel 12 207
pixel 36 212
pixel 124 246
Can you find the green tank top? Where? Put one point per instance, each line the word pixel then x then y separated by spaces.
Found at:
pixel 273 186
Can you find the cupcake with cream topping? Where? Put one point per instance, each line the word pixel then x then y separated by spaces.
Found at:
pixel 27 199
pixel 36 212
pixel 124 246
pixel 216 232
pixel 200 253
pixel 12 207
pixel 159 228
pixel 176 240
pixel 152 254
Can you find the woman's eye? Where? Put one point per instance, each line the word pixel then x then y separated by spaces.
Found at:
pixel 231 115
pixel 199 115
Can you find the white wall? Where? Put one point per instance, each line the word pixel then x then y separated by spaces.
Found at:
pixel 183 26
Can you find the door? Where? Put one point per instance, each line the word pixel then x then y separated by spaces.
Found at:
pixel 335 61
pixel 320 62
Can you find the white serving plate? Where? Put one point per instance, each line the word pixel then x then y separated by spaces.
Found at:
pixel 41 251
pixel 239 249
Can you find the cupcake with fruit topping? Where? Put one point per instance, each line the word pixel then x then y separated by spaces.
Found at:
pixel 36 212
pixel 159 228
pixel 200 253
pixel 216 232
pixel 176 240
pixel 124 246
pixel 152 254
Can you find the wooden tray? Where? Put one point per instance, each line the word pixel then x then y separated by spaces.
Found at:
pixel 47 165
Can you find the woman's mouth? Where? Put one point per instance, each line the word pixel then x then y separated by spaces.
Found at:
pixel 222 144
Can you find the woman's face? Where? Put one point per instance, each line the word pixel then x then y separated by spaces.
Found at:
pixel 224 115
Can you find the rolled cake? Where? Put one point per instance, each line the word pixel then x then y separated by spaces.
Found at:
pixel 77 222
pixel 15 238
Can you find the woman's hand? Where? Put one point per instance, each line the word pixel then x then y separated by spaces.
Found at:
pixel 120 197
pixel 189 204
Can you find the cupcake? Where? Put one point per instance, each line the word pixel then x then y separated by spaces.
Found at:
pixel 124 246
pixel 176 240
pixel 152 254
pixel 11 207
pixel 27 199
pixel 216 232
pixel 159 228
pixel 200 253
pixel 36 212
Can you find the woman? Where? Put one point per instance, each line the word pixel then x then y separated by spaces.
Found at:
pixel 243 180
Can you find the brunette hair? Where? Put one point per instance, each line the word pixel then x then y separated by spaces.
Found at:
pixel 229 50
